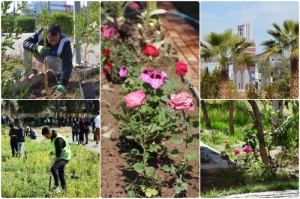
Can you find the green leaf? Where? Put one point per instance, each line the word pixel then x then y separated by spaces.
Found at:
pixel 164 98
pixel 166 168
pixel 191 156
pixel 152 128
pixel 134 152
pixel 174 153
pixel 131 194
pixel 139 167
pixel 130 137
pixel 154 147
pixel 149 171
pixel 173 169
pixel 151 192
pixel 176 140
pixel 178 189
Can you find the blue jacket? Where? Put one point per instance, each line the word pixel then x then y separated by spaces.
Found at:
pixel 20 134
pixel 62 49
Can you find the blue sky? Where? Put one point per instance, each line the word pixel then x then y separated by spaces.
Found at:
pixel 217 16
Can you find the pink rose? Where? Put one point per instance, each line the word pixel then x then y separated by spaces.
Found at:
pixel 135 99
pixel 247 149
pixel 236 151
pixel 181 101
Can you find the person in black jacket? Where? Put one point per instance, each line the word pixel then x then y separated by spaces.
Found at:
pixel 20 140
pixel 57 53
pixel 13 139
pixel 86 126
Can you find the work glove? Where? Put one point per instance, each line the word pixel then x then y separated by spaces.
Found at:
pixel 43 51
pixel 59 88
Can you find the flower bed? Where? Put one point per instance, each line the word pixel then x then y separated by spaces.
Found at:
pixel 149 117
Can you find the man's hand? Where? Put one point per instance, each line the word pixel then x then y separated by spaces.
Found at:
pixel 43 51
pixel 60 88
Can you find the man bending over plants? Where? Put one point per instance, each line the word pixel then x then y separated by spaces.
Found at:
pixel 57 53
pixel 61 152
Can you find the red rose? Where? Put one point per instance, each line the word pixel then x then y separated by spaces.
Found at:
pixel 106 52
pixel 109 65
pixel 150 50
pixel 181 68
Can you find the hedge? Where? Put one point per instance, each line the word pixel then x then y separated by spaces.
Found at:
pixel 26 23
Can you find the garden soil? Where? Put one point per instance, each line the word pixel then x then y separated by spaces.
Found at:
pixel 113 163
pixel 38 90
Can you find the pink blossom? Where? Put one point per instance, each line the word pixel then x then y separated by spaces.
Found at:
pixel 236 151
pixel 123 72
pixel 135 99
pixel 247 149
pixel 145 75
pixel 156 79
pixel 181 101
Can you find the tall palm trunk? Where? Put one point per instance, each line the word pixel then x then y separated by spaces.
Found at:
pixel 294 89
pixel 205 115
pixel 223 89
pixel 260 133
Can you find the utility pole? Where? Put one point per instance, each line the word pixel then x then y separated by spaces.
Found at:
pixel 77 47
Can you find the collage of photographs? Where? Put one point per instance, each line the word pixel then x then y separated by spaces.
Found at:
pixel 150 99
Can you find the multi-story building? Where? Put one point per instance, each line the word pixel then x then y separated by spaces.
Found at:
pixel 36 6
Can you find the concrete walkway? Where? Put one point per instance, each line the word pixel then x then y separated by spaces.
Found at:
pixel 267 194
pixel 213 160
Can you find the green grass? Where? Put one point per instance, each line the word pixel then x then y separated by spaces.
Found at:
pixel 251 189
pixel 30 177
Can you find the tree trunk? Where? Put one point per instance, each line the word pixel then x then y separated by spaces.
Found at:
pixel 294 89
pixel 277 106
pixel 205 115
pixel 223 88
pixel 260 132
pixel 231 124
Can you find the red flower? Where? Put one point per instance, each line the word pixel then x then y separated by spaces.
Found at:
pixel 106 52
pixel 109 65
pixel 181 68
pixel 150 50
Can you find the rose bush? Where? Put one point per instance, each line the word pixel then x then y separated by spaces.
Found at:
pixel 148 117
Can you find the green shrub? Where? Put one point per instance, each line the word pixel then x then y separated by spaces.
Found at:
pixel 64 20
pixel 26 23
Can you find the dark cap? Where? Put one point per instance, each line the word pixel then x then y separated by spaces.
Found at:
pixel 45 130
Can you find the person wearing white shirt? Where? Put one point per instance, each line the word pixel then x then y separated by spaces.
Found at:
pixel 97 128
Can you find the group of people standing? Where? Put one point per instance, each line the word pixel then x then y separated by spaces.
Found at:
pixel 80 130
pixel 17 140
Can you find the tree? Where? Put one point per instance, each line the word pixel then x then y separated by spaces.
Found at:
pixel 286 40
pixel 260 132
pixel 205 115
pixel 32 106
pixel 230 118
pixel 211 81
pixel 225 48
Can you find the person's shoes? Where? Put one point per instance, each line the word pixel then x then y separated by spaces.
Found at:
pixel 56 189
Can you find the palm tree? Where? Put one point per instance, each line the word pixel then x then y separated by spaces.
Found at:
pixel 225 48
pixel 286 39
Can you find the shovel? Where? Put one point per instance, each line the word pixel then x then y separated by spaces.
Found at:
pixel 48 195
